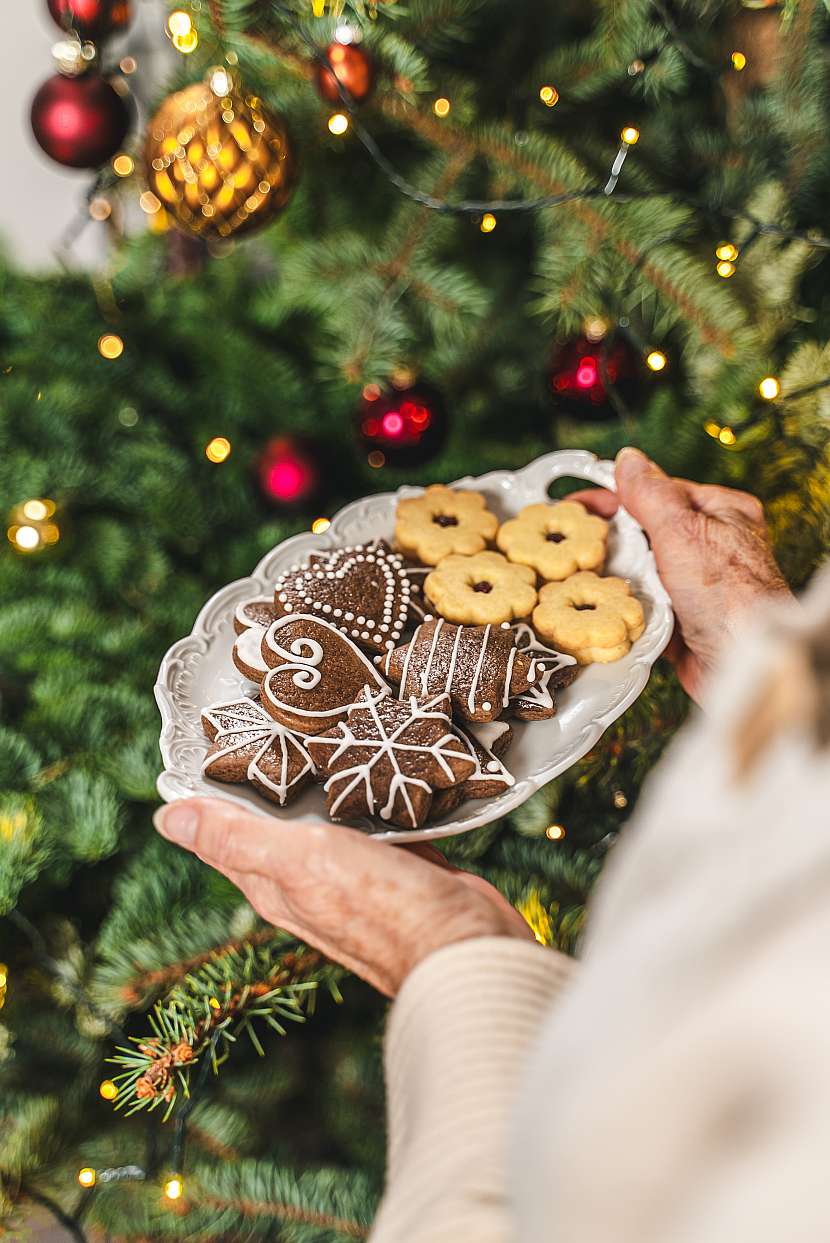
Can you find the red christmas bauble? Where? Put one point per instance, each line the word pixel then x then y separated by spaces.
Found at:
pixel 93 19
pixel 582 371
pixel 289 471
pixel 407 426
pixel 353 68
pixel 80 122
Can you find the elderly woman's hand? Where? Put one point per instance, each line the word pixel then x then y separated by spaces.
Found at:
pixel 377 909
pixel 712 550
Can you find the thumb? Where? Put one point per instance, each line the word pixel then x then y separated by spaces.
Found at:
pixel 647 492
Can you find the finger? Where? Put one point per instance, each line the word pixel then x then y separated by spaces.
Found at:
pixel 233 840
pixel 597 501
pixel 647 492
pixel 718 502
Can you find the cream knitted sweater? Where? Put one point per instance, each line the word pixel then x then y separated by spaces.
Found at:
pixel 675 1085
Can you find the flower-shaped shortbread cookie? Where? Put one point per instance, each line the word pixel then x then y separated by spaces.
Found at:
pixel 443 521
pixel 591 618
pixel 480 590
pixel 555 539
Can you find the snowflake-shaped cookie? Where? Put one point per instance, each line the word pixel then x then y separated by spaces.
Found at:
pixel 246 744
pixel 388 758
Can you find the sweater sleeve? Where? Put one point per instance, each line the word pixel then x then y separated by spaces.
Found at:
pixel 456 1043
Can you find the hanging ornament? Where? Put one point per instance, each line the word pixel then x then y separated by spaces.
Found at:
pixel 219 163
pixel 92 19
pixel 403 426
pixel 79 121
pixel 291 470
pixel 353 68
pixel 584 368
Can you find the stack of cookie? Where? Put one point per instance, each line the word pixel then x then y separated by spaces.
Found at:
pixel 393 677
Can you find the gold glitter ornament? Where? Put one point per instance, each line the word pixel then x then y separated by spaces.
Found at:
pixel 218 161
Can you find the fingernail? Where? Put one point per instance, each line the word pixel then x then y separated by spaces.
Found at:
pixel 629 455
pixel 177 822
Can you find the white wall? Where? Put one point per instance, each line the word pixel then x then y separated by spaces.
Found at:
pixel 40 198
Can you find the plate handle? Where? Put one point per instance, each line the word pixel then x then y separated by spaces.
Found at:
pixel 574 463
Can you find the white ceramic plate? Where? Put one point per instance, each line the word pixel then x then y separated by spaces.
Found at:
pixel 198 670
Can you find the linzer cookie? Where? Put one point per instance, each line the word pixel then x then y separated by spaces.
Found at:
pixel 556 670
pixel 555 539
pixel 485 589
pixel 246 744
pixel 442 521
pixel 315 674
pixel 389 757
pixel 594 619
pixel 480 667
pixel 362 590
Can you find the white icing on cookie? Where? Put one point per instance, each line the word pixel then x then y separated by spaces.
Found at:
pixel 304 659
pixel 241 723
pixel 248 651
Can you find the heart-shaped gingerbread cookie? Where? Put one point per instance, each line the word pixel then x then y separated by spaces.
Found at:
pixel 362 591
pixel 316 674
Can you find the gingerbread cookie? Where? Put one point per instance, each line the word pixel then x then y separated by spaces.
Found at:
pixel 592 618
pixel 480 667
pixel 486 742
pixel 556 670
pixel 259 612
pixel 555 539
pixel 315 674
pixel 362 590
pixel 485 589
pixel 443 521
pixel 388 758
pixel 246 744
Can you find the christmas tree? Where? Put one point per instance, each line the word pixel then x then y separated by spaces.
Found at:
pixel 569 225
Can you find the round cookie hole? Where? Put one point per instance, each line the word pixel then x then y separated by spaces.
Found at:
pixel 555 537
pixel 483 587
pixel 584 608
pixel 445 520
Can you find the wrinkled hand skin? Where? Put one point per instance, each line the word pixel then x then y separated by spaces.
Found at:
pixel 712 550
pixel 376 909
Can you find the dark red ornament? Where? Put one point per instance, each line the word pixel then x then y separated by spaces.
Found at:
pixel 353 68
pixel 80 122
pixel 582 371
pixel 92 19
pixel 290 471
pixel 406 426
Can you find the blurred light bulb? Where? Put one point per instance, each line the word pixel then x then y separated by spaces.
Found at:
pixel 220 82
pixel 726 436
pixel 186 43
pixel 769 388
pixel 555 832
pixel 488 222
pixel 179 23
pixel 726 251
pixel 218 449
pixel 725 269
pixel 376 459
pixel 108 1090
pixel 25 538
pixel 319 525
pixel 110 345
pixel 595 328
pixel 338 123
pixel 149 203
pixel 128 64
pixel 123 165
pixel 738 61
pixel 100 208
pixel 86 1176
pixel 656 360
pixel 174 1187
pixel 36 510
pixel 549 96
pixel 630 135
pixel 441 107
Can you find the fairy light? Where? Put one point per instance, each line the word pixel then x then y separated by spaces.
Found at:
pixel 220 82
pixel 726 436
pixel 442 106
pixel 738 61
pixel 128 64
pixel 549 96
pixel 123 165
pixel 712 428
pixel 630 135
pixel 656 360
pixel 186 43
pixel 4 975
pixel 218 449
pixel 87 1176
pixel 179 23
pixel 488 222
pixel 555 832
pixel 620 799
pixel 769 388
pixel 108 1090
pixel 174 1187
pixel 24 538
pixel 595 328
pixel 149 203
pixel 37 510
pixel 725 269
pixel 376 459
pixel 100 208
pixel 726 251
pixel 110 345
pixel 338 123
pixel 319 525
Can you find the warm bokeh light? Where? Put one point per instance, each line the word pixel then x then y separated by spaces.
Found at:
pixel 24 538
pixel 338 123
pixel 86 1176
pixel 441 107
pixel 319 525
pixel 4 975
pixel 488 222
pixel 726 436
pixel 549 96
pixel 37 510
pixel 769 388
pixel 123 165
pixel 174 1187
pixel 726 251
pixel 110 345
pixel 595 328
pixel 218 449
pixel 100 208
pixel 108 1090
pixel 725 269
pixel 128 64
pixel 179 23
pixel 629 135
pixel 712 428
pixel 555 832
pixel 220 82
pixel 656 360
pixel 376 459
pixel 149 203
pixel 186 43
pixel 738 61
